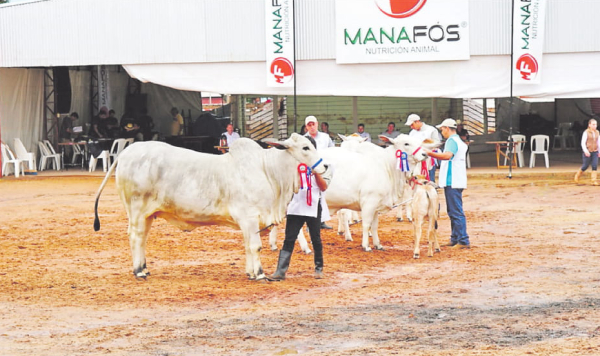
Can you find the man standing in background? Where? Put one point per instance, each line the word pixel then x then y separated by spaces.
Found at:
pixel 422 131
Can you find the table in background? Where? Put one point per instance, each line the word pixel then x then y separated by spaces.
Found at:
pixel 500 145
pixel 62 146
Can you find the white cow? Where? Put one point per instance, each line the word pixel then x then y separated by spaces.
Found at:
pixel 248 188
pixel 368 181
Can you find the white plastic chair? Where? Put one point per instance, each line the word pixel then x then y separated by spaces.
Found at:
pixel 77 152
pixel 519 148
pixel 104 156
pixel 539 146
pixel 564 137
pixel 118 146
pixel 46 157
pixel 54 153
pixel 23 155
pixel 8 157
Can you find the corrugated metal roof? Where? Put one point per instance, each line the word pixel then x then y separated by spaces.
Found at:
pixel 88 32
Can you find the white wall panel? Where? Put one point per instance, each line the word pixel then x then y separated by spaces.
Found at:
pixel 88 32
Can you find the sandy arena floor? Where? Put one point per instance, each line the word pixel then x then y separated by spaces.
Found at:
pixel 529 285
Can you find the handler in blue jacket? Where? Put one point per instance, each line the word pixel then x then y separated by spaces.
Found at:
pixel 453 178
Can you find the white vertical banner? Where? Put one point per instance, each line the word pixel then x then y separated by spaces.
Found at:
pixel 528 40
pixel 103 87
pixel 279 24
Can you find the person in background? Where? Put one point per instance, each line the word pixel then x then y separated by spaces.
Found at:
pixel 362 133
pixel 146 124
pixel 391 131
pixel 590 142
pixel 462 132
pixel 231 135
pixel 98 127
pixel 66 128
pixel 177 124
pixel 303 130
pixel 453 178
pixel 322 142
pixel 130 127
pixel 299 211
pixel 112 125
pixel 325 130
pixel 66 133
pixel 422 132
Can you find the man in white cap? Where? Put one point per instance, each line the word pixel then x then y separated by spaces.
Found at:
pixel 323 141
pixel 312 129
pixel 422 131
pixel 453 178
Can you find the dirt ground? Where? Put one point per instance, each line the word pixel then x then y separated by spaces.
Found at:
pixel 529 285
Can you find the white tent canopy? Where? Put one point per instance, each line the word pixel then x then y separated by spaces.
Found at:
pixel 565 75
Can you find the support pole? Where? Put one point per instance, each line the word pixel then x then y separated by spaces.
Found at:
pixel 510 120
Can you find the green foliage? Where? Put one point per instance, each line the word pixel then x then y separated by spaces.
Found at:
pixel 3 1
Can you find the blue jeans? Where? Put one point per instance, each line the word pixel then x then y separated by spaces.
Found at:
pixel 593 159
pixel 458 221
pixel 432 174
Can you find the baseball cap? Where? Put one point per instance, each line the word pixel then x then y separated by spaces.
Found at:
pixel 310 119
pixel 447 123
pixel 412 118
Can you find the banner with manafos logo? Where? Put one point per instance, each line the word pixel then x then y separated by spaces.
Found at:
pixel 528 40
pixel 279 16
pixel 385 31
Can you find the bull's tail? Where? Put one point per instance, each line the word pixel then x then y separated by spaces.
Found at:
pixel 110 171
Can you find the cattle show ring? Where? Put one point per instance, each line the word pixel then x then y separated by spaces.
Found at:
pixel 528 285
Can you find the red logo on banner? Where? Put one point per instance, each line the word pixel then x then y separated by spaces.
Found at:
pixel 527 65
pixel 399 8
pixel 282 69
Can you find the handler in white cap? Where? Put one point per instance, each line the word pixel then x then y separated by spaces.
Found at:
pixel 312 129
pixel 422 131
pixel 323 141
pixel 453 178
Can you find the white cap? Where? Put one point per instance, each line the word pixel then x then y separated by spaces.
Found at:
pixel 310 119
pixel 447 123
pixel 412 118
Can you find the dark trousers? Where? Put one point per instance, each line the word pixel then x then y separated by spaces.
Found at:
pixel 292 227
pixel 458 221
pixel 592 159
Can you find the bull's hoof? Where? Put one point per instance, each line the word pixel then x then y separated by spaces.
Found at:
pixel 410 220
pixel 274 248
pixel 307 252
pixel 399 219
pixel 416 256
pixel 141 276
pixel 262 278
pixel 438 250
pixel 340 233
pixel 380 248
pixel 367 249
pixel 349 239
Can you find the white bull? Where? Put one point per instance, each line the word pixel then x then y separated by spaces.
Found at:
pixel 248 188
pixel 368 181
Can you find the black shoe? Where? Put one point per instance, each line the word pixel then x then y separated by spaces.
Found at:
pixel 325 226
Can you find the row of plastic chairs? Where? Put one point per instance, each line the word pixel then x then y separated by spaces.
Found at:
pixel 108 157
pixel 48 155
pixel 540 144
pixel 20 158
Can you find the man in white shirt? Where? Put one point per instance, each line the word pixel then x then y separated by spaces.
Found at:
pixel 422 131
pixel 361 132
pixel 231 136
pixel 323 141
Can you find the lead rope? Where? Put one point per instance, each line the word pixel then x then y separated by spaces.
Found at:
pixel 305 173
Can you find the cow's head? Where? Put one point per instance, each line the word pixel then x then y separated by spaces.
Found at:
pixel 352 138
pixel 410 145
pixel 301 149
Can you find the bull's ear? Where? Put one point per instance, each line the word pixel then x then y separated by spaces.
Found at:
pixel 280 145
pixel 385 138
pixel 343 137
